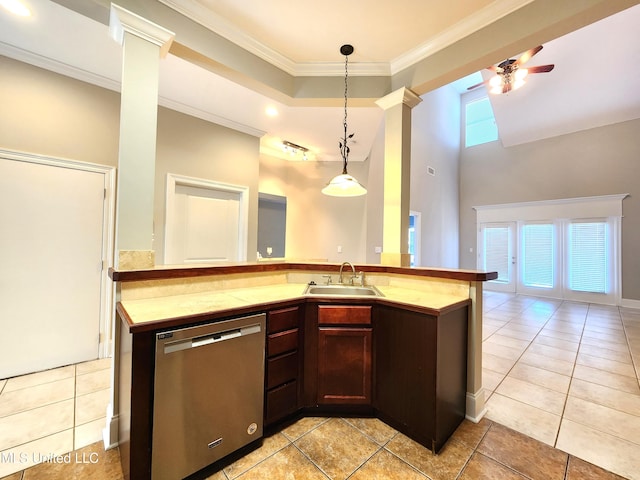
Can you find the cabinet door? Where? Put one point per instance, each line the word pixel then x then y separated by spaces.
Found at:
pixel 344 365
pixel 405 371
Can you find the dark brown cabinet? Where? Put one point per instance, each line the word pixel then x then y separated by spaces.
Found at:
pixel 344 355
pixel 421 372
pixel 283 363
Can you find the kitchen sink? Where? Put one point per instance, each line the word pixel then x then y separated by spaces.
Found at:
pixel 343 290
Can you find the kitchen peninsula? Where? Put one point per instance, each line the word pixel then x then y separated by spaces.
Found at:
pixel 411 357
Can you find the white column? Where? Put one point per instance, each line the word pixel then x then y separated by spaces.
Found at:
pixel 397 168
pixel 475 393
pixel 143 43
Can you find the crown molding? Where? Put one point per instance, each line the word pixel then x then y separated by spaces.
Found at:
pixel 210 20
pixel 219 25
pixel 56 66
pixel 209 117
pixel 460 30
pixel 110 84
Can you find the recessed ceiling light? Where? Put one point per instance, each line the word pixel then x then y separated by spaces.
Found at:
pixel 270 111
pixel 16 7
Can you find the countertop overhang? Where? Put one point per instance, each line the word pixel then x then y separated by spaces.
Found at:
pixel 161 272
pixel 179 308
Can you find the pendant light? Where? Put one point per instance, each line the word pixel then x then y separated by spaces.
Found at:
pixel 344 185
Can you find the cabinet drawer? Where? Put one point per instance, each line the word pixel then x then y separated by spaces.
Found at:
pixel 282 369
pixel 341 314
pixel 284 319
pixel 282 401
pixel 278 343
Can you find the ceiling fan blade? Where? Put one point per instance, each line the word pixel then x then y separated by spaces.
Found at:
pixel 526 56
pixel 540 69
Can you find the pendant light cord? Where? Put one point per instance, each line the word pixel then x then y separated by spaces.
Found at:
pixel 344 147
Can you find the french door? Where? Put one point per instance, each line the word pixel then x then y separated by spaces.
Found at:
pixel 574 259
pixel 496 248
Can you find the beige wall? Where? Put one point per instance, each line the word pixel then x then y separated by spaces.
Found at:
pixel 316 223
pixel 195 148
pixel 50 114
pixel 53 115
pixel 436 143
pixel 600 161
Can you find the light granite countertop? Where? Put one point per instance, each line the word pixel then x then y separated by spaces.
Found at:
pixel 197 304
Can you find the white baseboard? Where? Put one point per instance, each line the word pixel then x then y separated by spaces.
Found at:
pixel 628 303
pixel 475 406
pixel 110 431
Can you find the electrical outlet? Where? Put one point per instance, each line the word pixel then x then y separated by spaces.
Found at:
pixel 377 249
pixel 339 248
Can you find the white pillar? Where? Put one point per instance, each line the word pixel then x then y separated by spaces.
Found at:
pixel 475 409
pixel 143 44
pixel 397 168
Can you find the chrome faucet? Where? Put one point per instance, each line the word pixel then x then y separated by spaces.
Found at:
pixel 353 270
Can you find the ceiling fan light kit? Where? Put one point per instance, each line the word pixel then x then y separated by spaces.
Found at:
pixel 510 75
pixel 344 185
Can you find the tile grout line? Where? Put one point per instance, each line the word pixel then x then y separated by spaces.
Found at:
pixel 573 369
pixel 524 351
pixel 626 337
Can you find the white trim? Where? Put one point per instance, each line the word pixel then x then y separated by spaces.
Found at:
pixel 243 224
pixel 108 229
pixel 579 207
pixel 475 406
pixel 123 21
pixel 562 212
pixel 209 116
pixel 629 303
pixel 110 431
pixel 198 13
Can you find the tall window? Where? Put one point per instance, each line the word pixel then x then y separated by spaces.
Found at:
pixel 480 124
pixel 588 270
pixel 538 255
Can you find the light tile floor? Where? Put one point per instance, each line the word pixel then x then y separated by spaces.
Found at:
pixel 560 372
pixel 566 374
pixel 52 412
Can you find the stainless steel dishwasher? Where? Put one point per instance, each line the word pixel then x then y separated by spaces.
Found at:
pixel 208 394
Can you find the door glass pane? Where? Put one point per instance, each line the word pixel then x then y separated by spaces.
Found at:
pixel 496 252
pixel 537 249
pixel 588 257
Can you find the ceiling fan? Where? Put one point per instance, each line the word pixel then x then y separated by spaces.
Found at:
pixel 510 75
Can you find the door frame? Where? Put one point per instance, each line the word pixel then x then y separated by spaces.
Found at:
pixel 174 180
pixel 106 329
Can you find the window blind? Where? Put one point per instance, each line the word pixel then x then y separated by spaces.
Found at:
pixel 496 252
pixel 538 255
pixel 588 257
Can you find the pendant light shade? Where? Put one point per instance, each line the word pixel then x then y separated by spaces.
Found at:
pixel 344 185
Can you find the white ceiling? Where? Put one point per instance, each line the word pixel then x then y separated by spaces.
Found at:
pixel 594 83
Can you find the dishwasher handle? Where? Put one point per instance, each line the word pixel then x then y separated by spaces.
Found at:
pixel 195 342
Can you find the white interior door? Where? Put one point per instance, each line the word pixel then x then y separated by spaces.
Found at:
pixel 51 260
pixel 204 223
